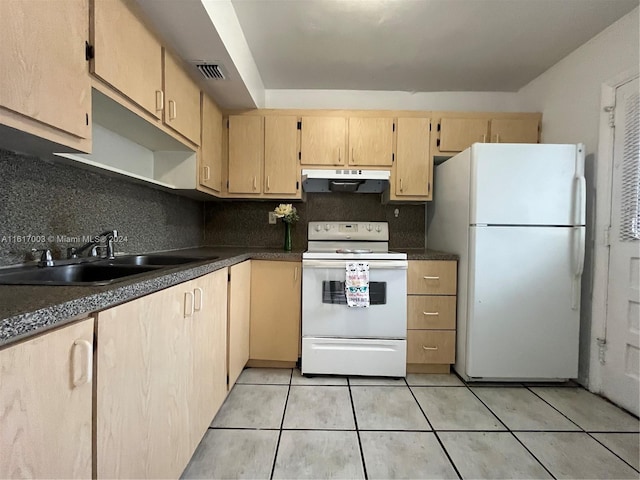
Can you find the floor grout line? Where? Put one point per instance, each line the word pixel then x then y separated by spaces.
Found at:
pixel 444 449
pixel 513 434
pixel 284 412
pixel 589 433
pixel 355 421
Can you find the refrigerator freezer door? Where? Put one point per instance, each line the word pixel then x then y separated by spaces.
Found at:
pixel 522 184
pixel 521 321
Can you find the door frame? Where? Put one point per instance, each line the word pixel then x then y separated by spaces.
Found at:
pixel 604 190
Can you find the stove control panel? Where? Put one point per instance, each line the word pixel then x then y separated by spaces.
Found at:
pixel 363 231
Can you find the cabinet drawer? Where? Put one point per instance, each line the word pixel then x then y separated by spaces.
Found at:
pixel 431 346
pixel 431 312
pixel 436 277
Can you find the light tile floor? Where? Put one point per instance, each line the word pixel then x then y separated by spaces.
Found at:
pixel 278 424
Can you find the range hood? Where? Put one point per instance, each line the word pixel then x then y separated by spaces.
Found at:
pixel 345 180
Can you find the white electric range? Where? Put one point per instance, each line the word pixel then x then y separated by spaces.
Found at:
pixel 336 338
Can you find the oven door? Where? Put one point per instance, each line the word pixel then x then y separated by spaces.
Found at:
pixel 324 308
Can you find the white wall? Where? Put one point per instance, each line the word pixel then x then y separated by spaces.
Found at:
pixel 383 100
pixel 569 95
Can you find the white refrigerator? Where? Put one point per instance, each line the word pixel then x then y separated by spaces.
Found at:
pixel 515 214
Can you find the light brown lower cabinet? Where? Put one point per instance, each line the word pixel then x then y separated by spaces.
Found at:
pixel 431 315
pixel 239 320
pixel 275 311
pixel 161 376
pixel 45 405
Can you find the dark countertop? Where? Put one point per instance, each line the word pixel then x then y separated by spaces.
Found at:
pixel 26 310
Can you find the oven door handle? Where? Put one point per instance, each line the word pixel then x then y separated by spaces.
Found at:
pixel 341 264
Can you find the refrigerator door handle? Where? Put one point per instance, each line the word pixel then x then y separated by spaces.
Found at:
pixel 578 268
pixel 581 188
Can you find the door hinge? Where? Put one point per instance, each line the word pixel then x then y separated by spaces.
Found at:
pixel 227 184
pixel 438 127
pixel 611 110
pixel 607 236
pixel 228 277
pixel 89 54
pixel 299 155
pixel 602 348
pixel 393 157
pixel 86 117
pixel 227 123
pixel 227 379
pixel 299 126
pixel 429 127
pixel 394 128
pixel 437 142
pixel 297 185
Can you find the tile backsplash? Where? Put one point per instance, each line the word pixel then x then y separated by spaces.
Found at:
pixel 43 202
pixel 246 223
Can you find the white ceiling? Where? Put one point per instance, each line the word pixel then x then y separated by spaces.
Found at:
pixel 392 45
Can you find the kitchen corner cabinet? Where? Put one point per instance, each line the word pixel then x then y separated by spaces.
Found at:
pixel 371 141
pixel 161 376
pixel 210 171
pixel 182 100
pixel 239 320
pixel 46 405
pixel 128 57
pixel 431 315
pixel 275 311
pixel 323 141
pixel 45 89
pixel 412 172
pixel 263 156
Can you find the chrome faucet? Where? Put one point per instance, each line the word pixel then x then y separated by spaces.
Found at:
pixel 109 246
pixel 46 259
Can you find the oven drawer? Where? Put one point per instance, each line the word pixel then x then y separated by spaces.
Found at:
pixel 432 277
pixel 431 346
pixel 431 312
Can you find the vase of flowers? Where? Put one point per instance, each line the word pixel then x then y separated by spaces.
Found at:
pixel 289 215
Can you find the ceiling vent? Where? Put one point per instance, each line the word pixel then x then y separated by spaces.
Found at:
pixel 211 71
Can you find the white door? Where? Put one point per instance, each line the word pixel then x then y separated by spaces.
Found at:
pixel 622 359
pixel 522 184
pixel 523 314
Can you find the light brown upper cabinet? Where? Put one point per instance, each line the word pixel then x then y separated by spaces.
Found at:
pixel 46 403
pixel 182 100
pixel 210 173
pixel 456 134
pixel 514 130
pixel 45 87
pixel 246 153
pixel 281 155
pixel 371 141
pixel 323 141
pixel 413 162
pixel 127 55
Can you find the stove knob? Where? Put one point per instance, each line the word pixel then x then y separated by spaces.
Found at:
pixel 327 227
pixel 369 227
pixel 318 228
pixel 378 229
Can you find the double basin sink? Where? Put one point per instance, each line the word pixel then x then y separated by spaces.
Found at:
pixel 95 272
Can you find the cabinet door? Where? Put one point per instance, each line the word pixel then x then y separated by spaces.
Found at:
pixel 280 154
pixel 46 402
pixel 210 174
pixel 514 130
pixel 456 134
pixel 239 318
pixel 413 163
pixel 370 141
pixel 44 71
pixel 142 396
pixel 275 310
pixel 246 153
pixel 127 54
pixel 323 141
pixel 182 100
pixel 209 346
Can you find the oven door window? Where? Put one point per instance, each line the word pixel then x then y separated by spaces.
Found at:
pixel 333 292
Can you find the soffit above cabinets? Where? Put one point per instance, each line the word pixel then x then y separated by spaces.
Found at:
pixel 385 45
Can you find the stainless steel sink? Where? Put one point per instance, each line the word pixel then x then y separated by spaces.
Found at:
pixel 158 260
pixel 76 274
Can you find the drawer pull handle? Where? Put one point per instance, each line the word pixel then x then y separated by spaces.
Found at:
pixel 431 278
pixel 87 369
pixel 431 314
pixel 189 304
pixel 429 348
pixel 197 298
